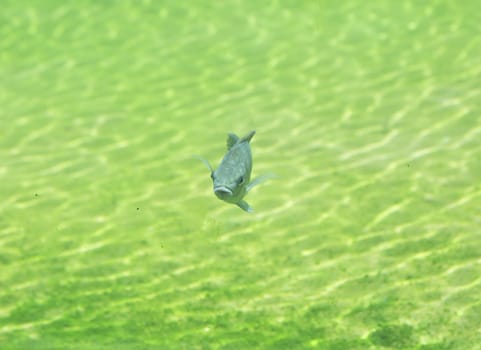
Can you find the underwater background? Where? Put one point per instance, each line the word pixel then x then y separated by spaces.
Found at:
pixel 368 112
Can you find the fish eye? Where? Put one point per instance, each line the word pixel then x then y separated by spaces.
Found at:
pixel 241 180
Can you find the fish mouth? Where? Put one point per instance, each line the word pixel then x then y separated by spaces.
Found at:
pixel 222 191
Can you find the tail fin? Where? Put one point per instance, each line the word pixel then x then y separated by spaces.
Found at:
pixel 248 136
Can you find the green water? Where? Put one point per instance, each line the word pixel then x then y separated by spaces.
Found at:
pixel 368 112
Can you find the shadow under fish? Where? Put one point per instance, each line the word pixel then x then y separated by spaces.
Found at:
pixel 231 179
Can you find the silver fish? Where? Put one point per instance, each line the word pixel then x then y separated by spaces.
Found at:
pixel 232 176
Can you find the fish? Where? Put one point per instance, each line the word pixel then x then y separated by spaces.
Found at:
pixel 231 179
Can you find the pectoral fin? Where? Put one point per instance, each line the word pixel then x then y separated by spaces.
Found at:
pixel 206 163
pixel 244 206
pixel 259 180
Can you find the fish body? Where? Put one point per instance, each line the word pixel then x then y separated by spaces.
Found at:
pixel 231 179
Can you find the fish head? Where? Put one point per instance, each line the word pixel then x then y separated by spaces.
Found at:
pixel 229 187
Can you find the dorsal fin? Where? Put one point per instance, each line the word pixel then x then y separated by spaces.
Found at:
pixel 248 136
pixel 232 139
